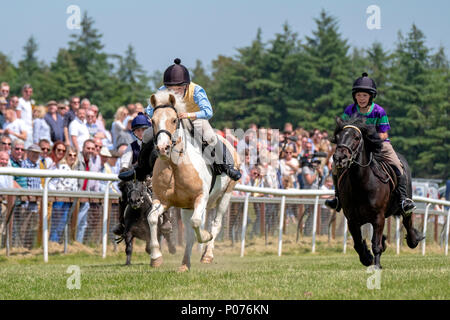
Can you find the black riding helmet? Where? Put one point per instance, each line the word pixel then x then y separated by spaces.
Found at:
pixel 176 74
pixel 364 84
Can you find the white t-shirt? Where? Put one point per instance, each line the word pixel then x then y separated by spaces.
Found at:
pixel 18 126
pixel 6 182
pixel 79 129
pixel 26 111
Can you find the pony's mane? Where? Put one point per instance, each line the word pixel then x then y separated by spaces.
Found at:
pixel 162 98
pixel 372 140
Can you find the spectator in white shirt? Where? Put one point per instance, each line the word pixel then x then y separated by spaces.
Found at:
pixel 15 128
pixel 25 111
pixel 78 131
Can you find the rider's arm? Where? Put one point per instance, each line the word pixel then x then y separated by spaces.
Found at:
pixel 201 99
pixel 127 158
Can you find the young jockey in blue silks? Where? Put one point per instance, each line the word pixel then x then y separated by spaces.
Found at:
pixel 364 91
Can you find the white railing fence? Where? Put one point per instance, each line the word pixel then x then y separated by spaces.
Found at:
pixel 280 197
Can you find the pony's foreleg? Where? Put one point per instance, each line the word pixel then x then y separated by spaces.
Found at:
pixel 377 239
pixel 196 220
pixel 152 218
pixel 189 239
pixel 222 207
pixel 128 247
pixel 359 244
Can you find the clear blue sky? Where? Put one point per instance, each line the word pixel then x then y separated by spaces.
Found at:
pixel 202 29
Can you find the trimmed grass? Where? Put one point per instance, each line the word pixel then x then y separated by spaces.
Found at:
pixel 261 274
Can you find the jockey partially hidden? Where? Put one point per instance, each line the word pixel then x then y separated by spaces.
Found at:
pixel 364 91
pixel 199 110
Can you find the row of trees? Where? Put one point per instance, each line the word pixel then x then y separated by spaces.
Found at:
pixel 303 81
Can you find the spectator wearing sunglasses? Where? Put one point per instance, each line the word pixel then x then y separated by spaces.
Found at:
pixel 55 121
pixel 45 159
pixel 65 158
pixel 16 159
pixel 5 143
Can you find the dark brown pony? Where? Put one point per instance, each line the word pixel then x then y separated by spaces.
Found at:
pixel 364 197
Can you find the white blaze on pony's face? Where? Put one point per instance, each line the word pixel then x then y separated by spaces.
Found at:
pixel 165 120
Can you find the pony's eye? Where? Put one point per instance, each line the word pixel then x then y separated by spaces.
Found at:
pixel 174 121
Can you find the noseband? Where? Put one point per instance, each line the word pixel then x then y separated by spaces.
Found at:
pixel 354 153
pixel 173 139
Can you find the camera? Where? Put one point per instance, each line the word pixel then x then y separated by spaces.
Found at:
pixel 306 160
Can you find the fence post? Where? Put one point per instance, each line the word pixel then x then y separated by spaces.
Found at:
pixel 446 231
pixel 244 223
pixel 44 220
pixel 316 204
pixel 105 219
pixel 280 229
pixel 344 250
pixel 425 220
pixel 397 233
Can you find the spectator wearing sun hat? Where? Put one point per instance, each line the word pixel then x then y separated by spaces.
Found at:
pixel 32 162
pixel 55 121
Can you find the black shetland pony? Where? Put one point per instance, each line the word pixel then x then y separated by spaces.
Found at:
pixel 364 197
pixel 135 218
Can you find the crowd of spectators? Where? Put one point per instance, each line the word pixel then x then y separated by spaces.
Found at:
pixel 66 135
pixel 72 135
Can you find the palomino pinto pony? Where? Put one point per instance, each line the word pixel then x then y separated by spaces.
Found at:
pixel 364 196
pixel 182 178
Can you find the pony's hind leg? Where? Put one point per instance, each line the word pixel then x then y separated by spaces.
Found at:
pixel 222 207
pixel 360 246
pixel 189 239
pixel 413 236
pixel 203 236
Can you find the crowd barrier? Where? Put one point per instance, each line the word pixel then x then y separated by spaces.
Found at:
pixel 272 215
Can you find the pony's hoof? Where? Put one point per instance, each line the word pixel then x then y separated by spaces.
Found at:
pixel 366 261
pixel 155 263
pixel 207 259
pixel 183 268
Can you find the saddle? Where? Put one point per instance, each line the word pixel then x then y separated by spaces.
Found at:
pixel 385 173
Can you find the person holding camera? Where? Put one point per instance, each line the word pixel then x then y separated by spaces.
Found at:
pixel 312 173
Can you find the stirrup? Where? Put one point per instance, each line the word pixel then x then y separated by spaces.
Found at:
pixel 408 206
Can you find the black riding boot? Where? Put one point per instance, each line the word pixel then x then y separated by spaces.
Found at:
pixel 227 165
pixel 119 228
pixel 334 203
pixel 406 203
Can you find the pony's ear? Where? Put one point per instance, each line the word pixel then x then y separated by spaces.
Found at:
pixel 153 100
pixel 339 121
pixel 172 99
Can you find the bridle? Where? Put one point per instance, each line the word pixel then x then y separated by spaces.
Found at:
pixel 143 191
pixel 172 138
pixel 354 153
